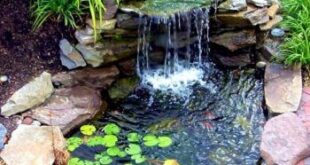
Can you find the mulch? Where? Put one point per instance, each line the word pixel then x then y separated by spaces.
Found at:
pixel 25 53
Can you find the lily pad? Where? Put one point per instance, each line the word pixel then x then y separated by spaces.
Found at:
pixel 150 140
pixel 113 151
pixel 164 141
pixel 75 161
pixel 105 160
pixel 109 140
pixel 96 140
pixel 133 137
pixel 138 158
pixel 133 149
pixel 122 154
pixel 73 143
pixel 88 130
pixel 111 129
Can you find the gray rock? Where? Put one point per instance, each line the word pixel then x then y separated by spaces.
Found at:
pixel 69 56
pixel 100 78
pixel 257 17
pixel 235 40
pixel 239 60
pixel 68 108
pixel 91 55
pixel 127 21
pixel 33 145
pixel 85 36
pixel 3 133
pixel 261 64
pixel 277 32
pixel 271 24
pixel 102 25
pixel 283 88
pixel 123 87
pixel 110 9
pixel 260 3
pixel 30 95
pixel 232 5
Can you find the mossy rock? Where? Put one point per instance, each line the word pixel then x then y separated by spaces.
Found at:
pixel 123 87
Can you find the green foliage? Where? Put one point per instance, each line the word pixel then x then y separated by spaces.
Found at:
pixel 296 47
pixel 133 137
pixel 150 140
pixel 164 141
pixel 63 10
pixel 138 158
pixel 133 149
pixel 113 151
pixel 88 130
pixel 109 140
pixel 111 129
pixel 73 143
pixel 96 140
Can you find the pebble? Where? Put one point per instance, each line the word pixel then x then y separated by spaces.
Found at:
pixel 277 32
pixel 261 64
pixel 3 132
pixel 4 78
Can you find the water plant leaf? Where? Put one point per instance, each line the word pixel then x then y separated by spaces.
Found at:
pixel 88 130
pixel 105 160
pixel 96 140
pixel 138 158
pixel 113 151
pixel 133 137
pixel 171 162
pixel 111 129
pixel 150 140
pixel 110 140
pixel 75 161
pixel 122 154
pixel 133 149
pixel 164 141
pixel 73 143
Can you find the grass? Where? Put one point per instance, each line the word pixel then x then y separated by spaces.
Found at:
pixel 296 47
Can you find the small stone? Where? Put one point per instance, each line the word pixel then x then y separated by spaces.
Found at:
pixel 85 36
pixel 3 132
pixel 27 120
pixel 102 25
pixel 273 10
pixel 285 140
pixel 259 3
pixel 277 32
pixel 261 64
pixel 4 78
pixel 232 5
pixel 257 17
pixel 272 23
pixel 36 123
pixel 69 56
pixel 30 95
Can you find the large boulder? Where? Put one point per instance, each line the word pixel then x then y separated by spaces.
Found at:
pixel 283 88
pixel 30 95
pixel 235 40
pixel 100 78
pixel 285 140
pixel 34 145
pixel 69 108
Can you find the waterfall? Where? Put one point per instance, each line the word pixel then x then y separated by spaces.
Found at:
pixel 182 65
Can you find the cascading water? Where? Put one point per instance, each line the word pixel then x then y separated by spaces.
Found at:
pixel 170 75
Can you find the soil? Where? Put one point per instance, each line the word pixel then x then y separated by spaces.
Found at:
pixel 25 53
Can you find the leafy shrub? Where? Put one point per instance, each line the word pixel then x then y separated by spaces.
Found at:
pixel 62 10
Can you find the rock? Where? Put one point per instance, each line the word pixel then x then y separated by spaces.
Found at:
pixel 69 56
pixel 128 67
pixel 27 120
pixel 108 51
pixel 30 95
pixel 235 40
pixel 3 133
pixel 3 78
pixel 261 64
pixel 285 140
pixel 127 21
pixel 95 78
pixel 305 162
pixel 277 32
pixel 304 109
pixel 232 5
pixel 123 87
pixel 33 145
pixel 271 49
pixel 257 17
pixel 102 25
pixel 273 10
pixel 235 19
pixel 180 42
pixel 85 36
pixel 110 9
pixel 260 3
pixel 271 24
pixel 68 108
pixel 283 88
pixel 235 61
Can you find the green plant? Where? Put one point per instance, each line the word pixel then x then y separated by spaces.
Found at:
pixel 164 141
pixel 133 149
pixel 88 130
pixel 110 140
pixel 113 151
pixel 133 137
pixel 96 140
pixel 111 129
pixel 138 158
pixel 150 140
pixel 73 143
pixel 66 11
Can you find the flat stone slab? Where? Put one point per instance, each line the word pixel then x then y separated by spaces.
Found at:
pixel 34 145
pixel 283 88
pixel 285 140
pixel 304 109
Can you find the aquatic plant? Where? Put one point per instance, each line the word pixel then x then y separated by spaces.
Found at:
pixel 96 140
pixel 109 140
pixel 161 141
pixel 133 149
pixel 111 129
pixel 88 130
pixel 113 151
pixel 150 140
pixel 73 143
pixel 133 137
pixel 138 158
pixel 164 141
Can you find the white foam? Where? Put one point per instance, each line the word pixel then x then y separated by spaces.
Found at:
pixel 179 82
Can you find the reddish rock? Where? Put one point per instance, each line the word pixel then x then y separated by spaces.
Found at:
pixel 27 120
pixel 285 140
pixel 304 109
pixel 128 67
pixel 305 162
pixel 94 78
pixel 69 108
